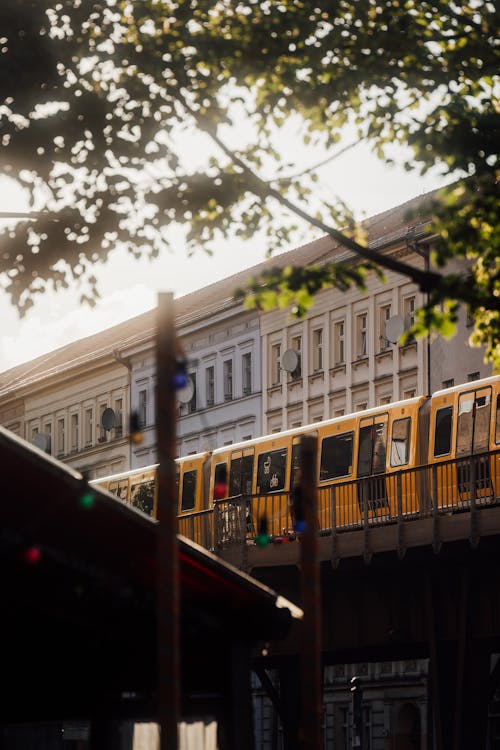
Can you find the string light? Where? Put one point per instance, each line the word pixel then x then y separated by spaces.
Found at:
pixel 262 538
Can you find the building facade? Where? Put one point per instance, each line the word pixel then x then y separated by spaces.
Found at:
pixel 250 372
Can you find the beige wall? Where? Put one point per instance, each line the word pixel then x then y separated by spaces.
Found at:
pixel 347 364
pixel 68 408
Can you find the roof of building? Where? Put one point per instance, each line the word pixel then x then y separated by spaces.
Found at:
pixel 82 591
pixel 385 228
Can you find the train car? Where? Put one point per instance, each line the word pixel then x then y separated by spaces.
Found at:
pixel 259 471
pixel 358 458
pixel 365 463
pixel 377 465
pixel 136 487
pixel 139 488
pixel 464 436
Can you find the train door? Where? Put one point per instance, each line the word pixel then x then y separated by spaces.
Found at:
pixel 289 523
pixel 188 491
pixel 335 470
pixel 495 445
pixel 372 454
pixel 272 500
pixel 240 484
pixel 401 456
pixel 472 443
pixel 442 474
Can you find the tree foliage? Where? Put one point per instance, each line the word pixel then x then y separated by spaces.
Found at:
pixel 97 95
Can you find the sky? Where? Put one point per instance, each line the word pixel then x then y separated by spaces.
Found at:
pixel 129 287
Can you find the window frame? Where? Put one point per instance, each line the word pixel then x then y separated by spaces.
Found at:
pixel 331 438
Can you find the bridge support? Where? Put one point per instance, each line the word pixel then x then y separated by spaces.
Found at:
pixel 459 677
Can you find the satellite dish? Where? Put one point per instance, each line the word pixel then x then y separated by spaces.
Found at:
pixel 394 327
pixel 186 393
pixel 108 419
pixel 290 360
pixel 41 441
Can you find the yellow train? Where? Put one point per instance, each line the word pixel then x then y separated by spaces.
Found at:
pixel 405 458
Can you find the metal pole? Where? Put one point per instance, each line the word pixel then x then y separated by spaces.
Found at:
pixel 311 668
pixel 167 573
pixel 357 714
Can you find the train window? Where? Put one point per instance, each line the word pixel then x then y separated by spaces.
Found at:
pixel 442 433
pixel 271 471
pixel 497 421
pixel 188 490
pixel 142 496
pixel 400 442
pixel 119 488
pixel 295 462
pixel 473 422
pixel 220 481
pixel 240 477
pixel 372 448
pixel 336 456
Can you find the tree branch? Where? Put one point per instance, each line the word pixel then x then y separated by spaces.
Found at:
pixel 426 280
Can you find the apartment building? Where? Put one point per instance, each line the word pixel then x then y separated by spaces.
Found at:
pixel 344 355
pixel 250 372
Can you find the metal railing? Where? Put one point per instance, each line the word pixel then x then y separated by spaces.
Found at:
pixel 450 486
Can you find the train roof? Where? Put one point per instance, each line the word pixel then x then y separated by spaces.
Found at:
pixel 471 385
pixel 144 469
pixel 314 425
pixel 124 474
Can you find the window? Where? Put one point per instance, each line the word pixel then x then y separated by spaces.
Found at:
pixel 473 376
pixel 449 383
pixel 60 437
pixel 246 373
pixel 295 462
pixel 361 348
pixel 442 432
pixel 473 422
pixel 210 385
pixel 497 421
pixel 400 442
pixel 142 496
pixel 220 481
pixel 191 407
pixel 384 315
pixel 318 349
pixel 385 400
pixel 297 347
pixel 88 426
pixel 188 490
pixel 339 342
pixel 74 432
pixel 118 417
pixel 336 456
pixel 409 311
pixel 271 471
pixel 240 476
pixel 103 435
pixel 228 379
pixel 409 393
pixel 142 414
pixel 372 447
pixel 275 364
pixel 47 428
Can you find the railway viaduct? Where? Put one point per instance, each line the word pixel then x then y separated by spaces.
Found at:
pixel 419 588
